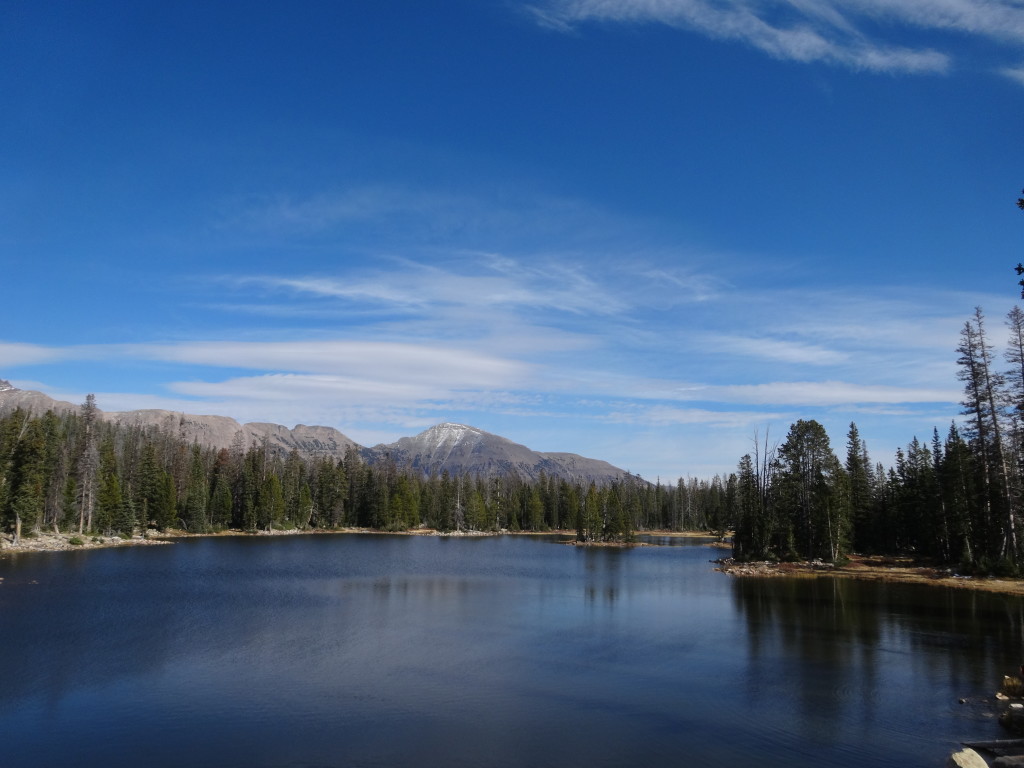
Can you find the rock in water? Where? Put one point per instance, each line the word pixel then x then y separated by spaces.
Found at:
pixel 966 758
pixel 1012 720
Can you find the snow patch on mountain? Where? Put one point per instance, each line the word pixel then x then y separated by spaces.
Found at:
pixel 449 434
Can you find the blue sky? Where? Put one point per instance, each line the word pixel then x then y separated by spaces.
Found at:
pixel 639 230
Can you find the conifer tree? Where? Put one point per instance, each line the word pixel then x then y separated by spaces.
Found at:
pixel 982 385
pixel 196 501
pixel 29 475
pixel 858 470
pixel 270 509
pixel 88 461
pixel 809 479
pixel 109 497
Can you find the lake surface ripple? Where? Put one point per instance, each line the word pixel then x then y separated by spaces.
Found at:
pixel 316 651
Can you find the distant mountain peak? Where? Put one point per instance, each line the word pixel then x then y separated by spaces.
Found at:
pixel 450 427
pixel 450 433
pixel 6 386
pixel 461 449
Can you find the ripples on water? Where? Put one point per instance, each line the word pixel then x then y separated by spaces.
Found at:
pixel 498 651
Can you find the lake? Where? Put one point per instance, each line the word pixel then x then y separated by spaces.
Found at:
pixel 365 650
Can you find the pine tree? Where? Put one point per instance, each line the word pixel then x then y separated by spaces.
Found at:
pixel 982 396
pixel 270 510
pixel 960 497
pixel 858 470
pixel 88 461
pixel 29 472
pixel 196 501
pixel 109 497
pixel 809 479
pixel 221 503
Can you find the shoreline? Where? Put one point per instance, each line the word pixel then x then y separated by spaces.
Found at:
pixel 866 568
pixel 48 541
pixel 901 570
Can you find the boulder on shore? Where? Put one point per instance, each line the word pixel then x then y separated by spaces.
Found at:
pixel 966 758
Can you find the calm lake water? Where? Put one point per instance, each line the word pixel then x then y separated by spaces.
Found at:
pixel 318 651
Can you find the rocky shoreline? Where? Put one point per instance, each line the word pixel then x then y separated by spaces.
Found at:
pixel 48 541
pixel 889 569
pixel 63 542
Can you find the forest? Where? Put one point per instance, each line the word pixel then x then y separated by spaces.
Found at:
pixel 954 498
pixel 76 473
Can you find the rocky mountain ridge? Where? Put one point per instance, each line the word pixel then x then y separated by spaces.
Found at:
pixel 208 430
pixel 462 449
pixel 455 448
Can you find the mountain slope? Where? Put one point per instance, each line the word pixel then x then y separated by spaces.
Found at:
pixel 209 431
pixel 461 449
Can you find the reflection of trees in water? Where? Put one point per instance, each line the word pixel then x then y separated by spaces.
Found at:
pixel 842 646
pixel 806 637
pixel 603 568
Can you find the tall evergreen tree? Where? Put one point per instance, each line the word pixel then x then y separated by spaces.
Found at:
pixel 858 470
pixel 810 477
pixel 270 509
pixel 197 496
pixel 88 461
pixel 109 497
pixel 982 403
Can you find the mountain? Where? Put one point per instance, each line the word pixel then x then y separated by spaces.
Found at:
pixel 455 448
pixel 461 449
pixel 209 431
pixel 36 403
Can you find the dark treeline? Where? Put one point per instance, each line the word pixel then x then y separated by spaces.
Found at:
pixel 956 498
pixel 73 472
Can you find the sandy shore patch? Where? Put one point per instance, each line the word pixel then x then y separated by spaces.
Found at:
pixel 890 569
pixel 59 542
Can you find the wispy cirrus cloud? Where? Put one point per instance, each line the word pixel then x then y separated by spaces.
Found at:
pixel 14 354
pixel 374 361
pixel 826 31
pixel 661 415
pixel 828 393
pixel 1013 73
pixel 995 19
pixel 370 215
pixel 778 350
pixel 490 282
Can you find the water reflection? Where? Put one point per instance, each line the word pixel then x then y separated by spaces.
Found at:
pixel 603 570
pixel 501 651
pixel 859 654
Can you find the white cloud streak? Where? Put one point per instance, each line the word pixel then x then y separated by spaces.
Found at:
pixel 371 361
pixel 14 354
pixel 827 393
pixel 495 282
pixel 667 415
pixel 828 31
pixel 1016 74
pixel 795 352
